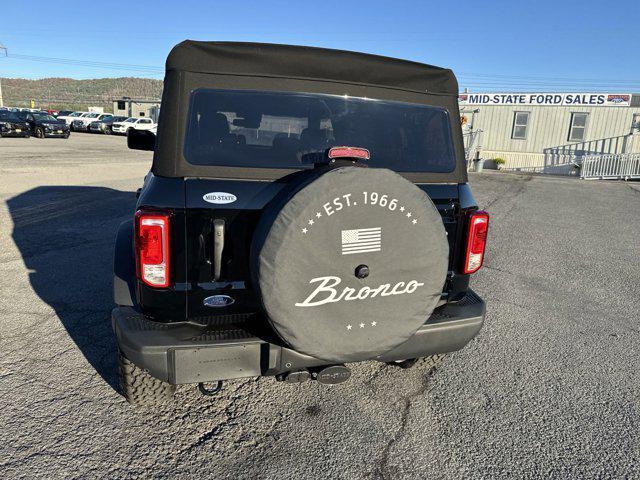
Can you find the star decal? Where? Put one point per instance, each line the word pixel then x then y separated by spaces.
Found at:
pixel 414 221
pixel 409 215
pixel 402 209
pixel 362 325
pixel 318 214
pixel 310 222
pixel 349 327
pixel 304 230
pixel 373 324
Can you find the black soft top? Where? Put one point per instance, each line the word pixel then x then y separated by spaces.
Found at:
pixel 270 60
pixel 269 67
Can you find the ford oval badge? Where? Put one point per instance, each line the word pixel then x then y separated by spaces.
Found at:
pixel 217 301
pixel 219 197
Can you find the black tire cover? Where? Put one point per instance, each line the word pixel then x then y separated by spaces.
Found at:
pixel 311 240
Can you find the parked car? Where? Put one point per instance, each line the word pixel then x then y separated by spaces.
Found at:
pixel 11 125
pixel 71 117
pixel 104 125
pixel 44 125
pixel 145 124
pixel 122 127
pixel 63 113
pixel 81 124
pixel 132 123
pixel 259 247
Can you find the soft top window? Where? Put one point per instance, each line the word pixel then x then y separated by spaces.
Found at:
pixel 289 130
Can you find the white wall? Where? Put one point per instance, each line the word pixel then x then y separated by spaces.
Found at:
pixel 547 148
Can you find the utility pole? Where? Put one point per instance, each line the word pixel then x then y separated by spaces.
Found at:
pixel 2 47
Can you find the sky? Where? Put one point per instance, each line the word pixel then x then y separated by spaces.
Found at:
pixel 561 45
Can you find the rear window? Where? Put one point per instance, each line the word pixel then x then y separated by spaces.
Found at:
pixel 289 130
pixel 9 117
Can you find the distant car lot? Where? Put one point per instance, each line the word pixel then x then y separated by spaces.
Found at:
pixel 548 389
pixel 25 122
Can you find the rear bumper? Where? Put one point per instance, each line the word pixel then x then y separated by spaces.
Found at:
pixel 188 353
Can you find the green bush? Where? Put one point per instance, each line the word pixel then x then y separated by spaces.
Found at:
pixel 499 161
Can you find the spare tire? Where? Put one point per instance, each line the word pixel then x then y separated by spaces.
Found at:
pixel 349 262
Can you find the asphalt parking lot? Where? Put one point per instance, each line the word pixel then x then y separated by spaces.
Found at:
pixel 549 389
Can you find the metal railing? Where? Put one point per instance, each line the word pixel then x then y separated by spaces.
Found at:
pixel 622 166
pixel 471 140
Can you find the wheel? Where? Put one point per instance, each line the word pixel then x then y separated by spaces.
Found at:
pixel 66 135
pixel 39 132
pixel 432 361
pixel 107 131
pixel 140 388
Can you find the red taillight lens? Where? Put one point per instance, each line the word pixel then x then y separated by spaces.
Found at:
pixel 349 152
pixel 476 241
pixel 152 247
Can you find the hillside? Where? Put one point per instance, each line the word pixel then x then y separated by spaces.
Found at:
pixel 70 94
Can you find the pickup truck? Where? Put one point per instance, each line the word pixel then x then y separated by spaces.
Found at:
pixel 81 124
pixel 132 123
pixel 71 117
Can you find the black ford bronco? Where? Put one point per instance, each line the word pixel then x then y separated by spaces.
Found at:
pixel 306 208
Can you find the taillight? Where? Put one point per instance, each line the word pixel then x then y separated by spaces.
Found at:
pixel 476 241
pixel 152 247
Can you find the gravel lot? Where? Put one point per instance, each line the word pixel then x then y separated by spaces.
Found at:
pixel 550 388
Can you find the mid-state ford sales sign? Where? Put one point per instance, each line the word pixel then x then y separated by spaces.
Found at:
pixel 550 99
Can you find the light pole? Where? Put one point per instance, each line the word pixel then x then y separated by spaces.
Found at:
pixel 2 47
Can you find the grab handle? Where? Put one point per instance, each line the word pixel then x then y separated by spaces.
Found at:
pixel 218 246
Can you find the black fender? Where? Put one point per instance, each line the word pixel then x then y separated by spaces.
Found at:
pixel 124 266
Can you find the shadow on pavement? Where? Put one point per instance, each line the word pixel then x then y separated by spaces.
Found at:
pixel 65 235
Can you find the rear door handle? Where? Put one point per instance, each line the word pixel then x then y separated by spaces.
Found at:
pixel 218 246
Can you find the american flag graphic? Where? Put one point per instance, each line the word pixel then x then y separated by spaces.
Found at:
pixel 361 240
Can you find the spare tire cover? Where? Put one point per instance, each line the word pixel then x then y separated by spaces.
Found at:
pixel 312 249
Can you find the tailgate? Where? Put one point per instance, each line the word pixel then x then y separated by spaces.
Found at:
pixel 234 207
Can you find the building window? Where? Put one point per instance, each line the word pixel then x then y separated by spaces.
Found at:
pixel 520 123
pixel 578 127
pixel 142 114
pixel 121 105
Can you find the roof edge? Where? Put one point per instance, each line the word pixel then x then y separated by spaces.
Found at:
pixel 293 61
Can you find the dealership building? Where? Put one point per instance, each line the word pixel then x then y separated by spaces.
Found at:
pixel 133 107
pixel 548 132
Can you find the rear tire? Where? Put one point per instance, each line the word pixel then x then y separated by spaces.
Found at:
pixel 39 132
pixel 139 388
pixel 432 361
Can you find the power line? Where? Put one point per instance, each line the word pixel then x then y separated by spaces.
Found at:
pixel 89 63
pixel 539 77
pixel 469 79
